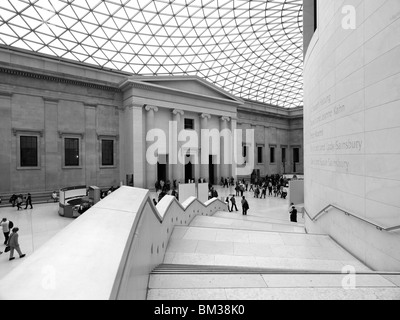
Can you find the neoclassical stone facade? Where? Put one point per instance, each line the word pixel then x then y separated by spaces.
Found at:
pixel 79 125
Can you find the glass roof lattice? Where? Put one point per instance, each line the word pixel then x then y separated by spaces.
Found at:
pixel 252 49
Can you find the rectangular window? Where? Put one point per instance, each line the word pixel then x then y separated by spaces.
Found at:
pixel 107 152
pixel 244 152
pixel 29 151
pixel 296 155
pixel 283 154
pixel 189 124
pixel 272 155
pixel 260 157
pixel 71 146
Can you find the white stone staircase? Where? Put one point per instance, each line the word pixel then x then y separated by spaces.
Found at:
pixel 229 256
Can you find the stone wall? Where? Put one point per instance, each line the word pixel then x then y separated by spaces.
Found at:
pixel 352 126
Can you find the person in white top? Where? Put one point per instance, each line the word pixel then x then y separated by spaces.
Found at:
pixel 5 224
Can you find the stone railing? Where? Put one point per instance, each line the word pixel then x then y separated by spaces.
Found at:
pixel 108 252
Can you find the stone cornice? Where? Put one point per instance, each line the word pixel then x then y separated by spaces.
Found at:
pixel 62 134
pixel 6 94
pixel 15 131
pixel 57 79
pixel 282 114
pixel 51 100
pixel 101 136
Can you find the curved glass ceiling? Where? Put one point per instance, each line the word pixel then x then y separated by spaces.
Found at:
pixel 252 49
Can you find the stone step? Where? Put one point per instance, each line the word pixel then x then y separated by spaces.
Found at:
pixel 257 249
pixel 238 216
pixel 243 224
pixel 237 293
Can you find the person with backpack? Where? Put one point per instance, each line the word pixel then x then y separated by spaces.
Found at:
pixel 7 226
pixel 14 244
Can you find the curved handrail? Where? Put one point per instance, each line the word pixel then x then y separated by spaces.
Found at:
pixel 347 213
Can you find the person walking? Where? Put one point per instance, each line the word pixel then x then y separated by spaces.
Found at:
pixel 233 202
pixel 14 244
pixel 245 206
pixel 29 201
pixel 19 202
pixel 6 225
pixel 264 192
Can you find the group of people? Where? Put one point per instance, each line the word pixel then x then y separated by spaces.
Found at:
pixel 231 201
pixel 227 182
pixel 11 237
pixel 17 200
pixel 275 188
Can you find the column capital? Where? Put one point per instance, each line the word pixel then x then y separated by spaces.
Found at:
pixel 151 108
pixel 205 116
pixel 227 119
pixel 177 111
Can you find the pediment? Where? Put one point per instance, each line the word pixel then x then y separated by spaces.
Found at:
pixel 189 85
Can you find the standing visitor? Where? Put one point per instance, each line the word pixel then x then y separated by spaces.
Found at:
pixel 293 214
pixel 245 206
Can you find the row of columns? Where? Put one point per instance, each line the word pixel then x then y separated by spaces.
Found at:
pixel 145 174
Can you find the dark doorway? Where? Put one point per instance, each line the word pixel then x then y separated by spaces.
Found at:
pixel 296 158
pixel 211 170
pixel 162 167
pixel 189 169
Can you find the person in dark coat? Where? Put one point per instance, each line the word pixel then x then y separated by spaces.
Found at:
pixel 13 199
pixel 29 201
pixel 293 214
pixel 245 206
pixel 14 244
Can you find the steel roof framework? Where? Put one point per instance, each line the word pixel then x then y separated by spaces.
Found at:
pixel 250 48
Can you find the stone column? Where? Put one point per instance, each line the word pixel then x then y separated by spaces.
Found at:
pixel 177 168
pixel 204 148
pixel 234 149
pixel 151 169
pixel 135 140
pixel 225 149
